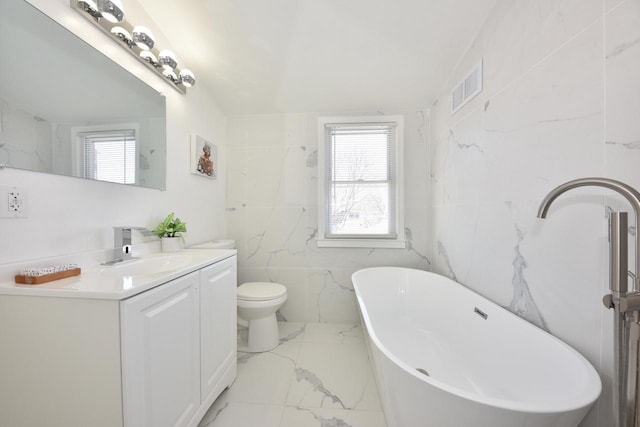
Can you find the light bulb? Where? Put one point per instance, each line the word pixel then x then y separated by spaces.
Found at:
pixel 187 78
pixel 111 10
pixel 167 59
pixel 149 57
pixel 143 37
pixel 122 34
pixel 170 75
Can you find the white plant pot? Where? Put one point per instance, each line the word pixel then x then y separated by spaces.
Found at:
pixel 171 244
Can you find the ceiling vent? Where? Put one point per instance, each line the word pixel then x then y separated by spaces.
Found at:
pixel 469 87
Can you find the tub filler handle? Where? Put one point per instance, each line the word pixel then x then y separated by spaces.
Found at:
pixel 630 302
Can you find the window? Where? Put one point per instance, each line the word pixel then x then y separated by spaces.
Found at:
pixel 107 155
pixel 360 189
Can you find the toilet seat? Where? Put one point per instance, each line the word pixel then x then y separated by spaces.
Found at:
pixel 261 291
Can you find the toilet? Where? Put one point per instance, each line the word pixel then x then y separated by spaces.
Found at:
pixel 257 306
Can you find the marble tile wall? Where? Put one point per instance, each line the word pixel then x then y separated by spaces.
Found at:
pixel 272 213
pixel 560 101
pixel 25 139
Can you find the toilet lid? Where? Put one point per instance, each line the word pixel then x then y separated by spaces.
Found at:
pixel 261 291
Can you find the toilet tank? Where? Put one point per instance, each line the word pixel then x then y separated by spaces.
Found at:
pixel 216 244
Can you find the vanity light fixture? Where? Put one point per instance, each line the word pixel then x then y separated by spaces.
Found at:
pixel 122 34
pixel 108 15
pixel 148 56
pixel 90 7
pixel 111 10
pixel 170 75
pixel 187 78
pixel 168 60
pixel 92 4
pixel 143 37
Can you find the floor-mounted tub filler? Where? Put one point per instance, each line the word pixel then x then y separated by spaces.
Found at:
pixel 446 357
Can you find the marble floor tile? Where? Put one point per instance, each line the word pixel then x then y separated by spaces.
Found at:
pixel 305 417
pixel 264 377
pixel 288 331
pixel 292 332
pixel 319 375
pixel 333 375
pixel 333 333
pixel 242 415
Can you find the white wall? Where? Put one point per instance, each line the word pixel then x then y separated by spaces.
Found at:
pixel 71 215
pixel 272 202
pixel 560 101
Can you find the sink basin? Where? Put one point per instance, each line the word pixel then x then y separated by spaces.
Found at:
pixel 153 264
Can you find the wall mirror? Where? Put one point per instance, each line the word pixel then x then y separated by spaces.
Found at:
pixel 67 109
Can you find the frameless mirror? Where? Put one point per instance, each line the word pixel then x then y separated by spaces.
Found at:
pixel 67 109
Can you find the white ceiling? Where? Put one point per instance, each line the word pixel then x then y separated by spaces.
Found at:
pixel 265 56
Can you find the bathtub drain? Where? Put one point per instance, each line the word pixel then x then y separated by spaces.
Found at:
pixel 422 371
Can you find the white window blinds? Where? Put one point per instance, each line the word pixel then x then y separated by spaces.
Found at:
pixel 360 181
pixel 109 155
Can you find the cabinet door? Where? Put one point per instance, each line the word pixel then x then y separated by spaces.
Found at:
pixel 161 354
pixel 218 310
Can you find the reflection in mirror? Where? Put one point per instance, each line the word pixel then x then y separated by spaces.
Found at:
pixel 67 109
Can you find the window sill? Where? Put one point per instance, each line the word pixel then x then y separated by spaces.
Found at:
pixel 362 243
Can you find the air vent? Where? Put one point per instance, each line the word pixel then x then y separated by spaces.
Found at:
pixel 469 87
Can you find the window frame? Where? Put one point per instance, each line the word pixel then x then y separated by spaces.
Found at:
pixel 77 148
pixel 322 241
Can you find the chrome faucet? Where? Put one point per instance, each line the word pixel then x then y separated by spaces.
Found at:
pixel 122 244
pixel 625 302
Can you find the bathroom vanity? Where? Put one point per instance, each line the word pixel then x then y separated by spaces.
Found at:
pixel 150 343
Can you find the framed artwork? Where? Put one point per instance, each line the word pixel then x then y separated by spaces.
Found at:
pixel 204 157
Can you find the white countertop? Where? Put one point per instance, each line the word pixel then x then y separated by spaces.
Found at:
pixel 125 280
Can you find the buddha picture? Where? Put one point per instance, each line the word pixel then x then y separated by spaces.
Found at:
pixel 203 157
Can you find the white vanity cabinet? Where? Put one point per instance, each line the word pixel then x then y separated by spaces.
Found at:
pixel 218 327
pixel 161 354
pixel 155 359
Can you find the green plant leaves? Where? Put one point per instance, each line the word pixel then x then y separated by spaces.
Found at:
pixel 170 226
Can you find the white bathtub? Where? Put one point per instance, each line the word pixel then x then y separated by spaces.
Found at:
pixel 498 371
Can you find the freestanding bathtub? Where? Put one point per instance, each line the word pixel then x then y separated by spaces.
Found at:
pixel 446 357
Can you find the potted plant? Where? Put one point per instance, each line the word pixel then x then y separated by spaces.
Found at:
pixel 169 231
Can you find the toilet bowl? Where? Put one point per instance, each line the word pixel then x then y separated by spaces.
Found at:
pixel 257 306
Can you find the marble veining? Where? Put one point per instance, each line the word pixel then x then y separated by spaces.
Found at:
pixel 213 417
pixel 623 47
pixel 331 289
pixel 312 159
pixel 327 422
pixel 442 251
pixel 408 234
pixel 631 145
pixel 11 151
pixel 317 385
pixel 318 376
pixel 463 146
pixel 523 304
pixel 263 245
pixel 534 124
pixel 423 127
pixel 293 335
pixel 312 236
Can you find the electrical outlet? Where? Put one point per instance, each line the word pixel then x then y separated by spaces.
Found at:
pixel 13 202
